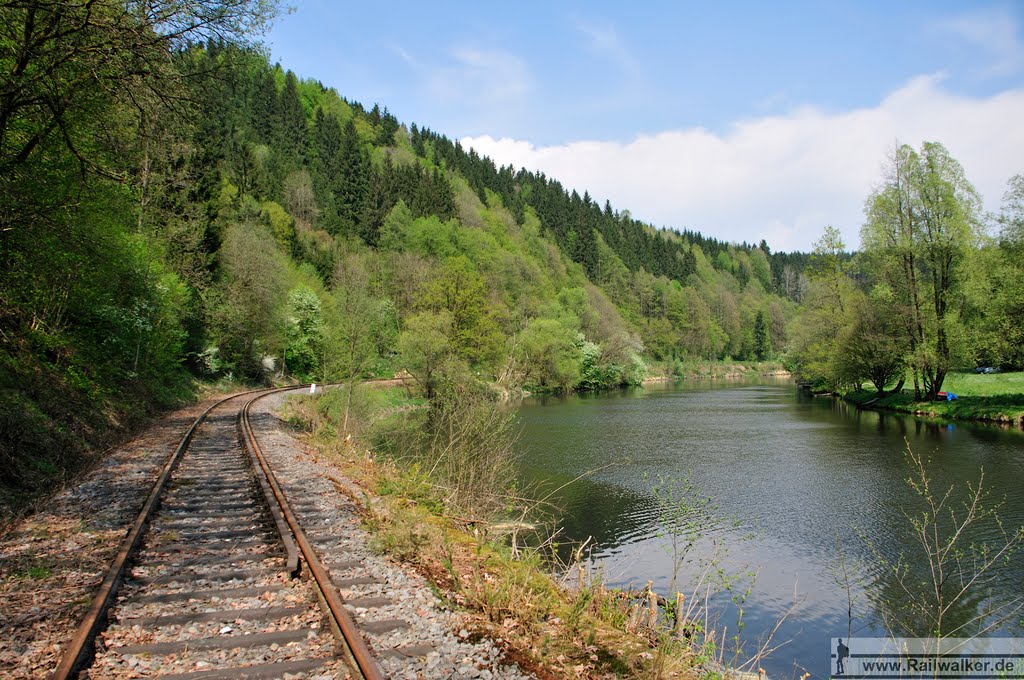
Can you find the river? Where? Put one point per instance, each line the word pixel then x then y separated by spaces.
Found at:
pixel 801 487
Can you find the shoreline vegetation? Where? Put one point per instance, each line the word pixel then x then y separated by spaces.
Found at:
pixel 988 398
pixel 714 370
pixel 501 563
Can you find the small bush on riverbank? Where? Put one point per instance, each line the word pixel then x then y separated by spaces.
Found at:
pixel 466 447
pixel 964 544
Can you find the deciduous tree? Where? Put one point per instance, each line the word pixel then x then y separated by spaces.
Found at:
pixel 249 318
pixel 920 223
pixel 423 347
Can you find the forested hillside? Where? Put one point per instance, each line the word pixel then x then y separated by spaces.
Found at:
pixel 173 205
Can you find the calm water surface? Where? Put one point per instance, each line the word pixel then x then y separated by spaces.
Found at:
pixel 804 478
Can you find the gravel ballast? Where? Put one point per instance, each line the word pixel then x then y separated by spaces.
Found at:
pixel 52 562
pixel 433 642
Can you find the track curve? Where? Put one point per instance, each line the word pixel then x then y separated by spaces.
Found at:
pixel 204 584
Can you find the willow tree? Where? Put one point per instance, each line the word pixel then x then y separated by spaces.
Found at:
pixel 920 223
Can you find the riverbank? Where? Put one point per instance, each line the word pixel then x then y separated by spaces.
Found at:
pixel 713 370
pixel 484 567
pixel 992 398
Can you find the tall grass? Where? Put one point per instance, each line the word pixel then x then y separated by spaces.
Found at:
pixel 464 444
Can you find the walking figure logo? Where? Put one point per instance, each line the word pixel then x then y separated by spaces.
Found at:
pixel 842 652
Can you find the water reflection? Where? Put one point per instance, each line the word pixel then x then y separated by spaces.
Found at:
pixel 804 476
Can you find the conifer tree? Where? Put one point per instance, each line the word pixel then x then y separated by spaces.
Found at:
pixel 327 143
pixel 292 134
pixel 381 197
pixel 388 128
pixel 264 103
pixel 762 341
pixel 444 196
pixel 351 184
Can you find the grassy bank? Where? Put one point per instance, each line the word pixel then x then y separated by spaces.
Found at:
pixel 997 397
pixel 55 423
pixel 556 626
pixel 53 432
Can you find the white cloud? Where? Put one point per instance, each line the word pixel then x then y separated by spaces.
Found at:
pixel 406 57
pixel 473 76
pixel 489 75
pixel 625 80
pixel 782 178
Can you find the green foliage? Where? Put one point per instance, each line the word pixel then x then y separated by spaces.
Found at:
pixel 872 347
pixel 460 291
pixel 466 447
pixel 994 290
pixel 304 334
pixel 762 338
pixel 551 349
pixel 921 224
pixel 248 319
pixel 100 257
pixel 816 345
pixel 359 322
pixel 423 346
pixel 281 224
pixel 598 372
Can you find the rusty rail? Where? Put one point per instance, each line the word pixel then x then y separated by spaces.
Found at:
pixel 248 441
pixel 359 652
pixel 80 648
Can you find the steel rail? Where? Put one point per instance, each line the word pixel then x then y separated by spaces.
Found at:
pixel 360 653
pixel 291 550
pixel 81 646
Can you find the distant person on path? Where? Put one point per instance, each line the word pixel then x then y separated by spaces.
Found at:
pixel 842 651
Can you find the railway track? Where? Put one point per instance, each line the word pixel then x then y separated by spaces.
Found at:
pixel 205 585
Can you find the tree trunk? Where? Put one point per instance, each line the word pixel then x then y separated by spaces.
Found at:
pixel 348 407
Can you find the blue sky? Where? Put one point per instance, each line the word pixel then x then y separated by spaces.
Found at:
pixel 742 120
